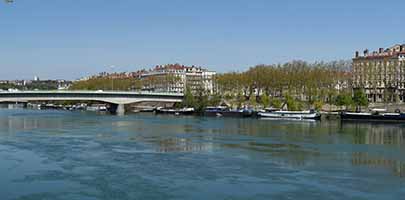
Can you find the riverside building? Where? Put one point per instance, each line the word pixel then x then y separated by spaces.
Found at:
pixel 381 74
pixel 176 78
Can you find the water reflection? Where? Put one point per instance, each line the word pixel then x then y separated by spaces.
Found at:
pixel 17 122
pixel 293 144
pixel 376 134
pixel 379 134
pixel 396 166
pixel 182 145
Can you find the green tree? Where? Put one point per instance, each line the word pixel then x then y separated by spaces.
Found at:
pixel 6 86
pixel 360 98
pixel 215 100
pixel 265 100
pixel 318 105
pixel 252 100
pixel 292 103
pixel 344 100
pixel 189 100
pixel 319 81
pixel 103 83
pixel 201 100
pixel 276 103
pixel 240 99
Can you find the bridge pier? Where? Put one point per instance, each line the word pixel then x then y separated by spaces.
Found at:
pixel 120 109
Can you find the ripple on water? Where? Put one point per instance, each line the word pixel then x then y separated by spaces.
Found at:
pixel 58 155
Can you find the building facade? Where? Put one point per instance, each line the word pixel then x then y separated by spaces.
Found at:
pixel 173 78
pixel 381 74
pixel 177 78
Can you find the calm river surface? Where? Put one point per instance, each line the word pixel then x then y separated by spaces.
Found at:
pixel 78 156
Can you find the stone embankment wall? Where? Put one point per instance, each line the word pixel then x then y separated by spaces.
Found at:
pixel 391 107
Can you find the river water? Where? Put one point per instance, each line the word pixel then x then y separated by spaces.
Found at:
pixel 66 155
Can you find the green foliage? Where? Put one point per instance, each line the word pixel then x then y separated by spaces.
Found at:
pixel 276 103
pixel 189 100
pixel 42 85
pixel 6 86
pixel 265 100
pixel 35 85
pixel 318 105
pixel 293 104
pixel 124 84
pixel 202 103
pixel 240 99
pixel 214 100
pixel 316 81
pixel 201 100
pixel 229 96
pixel 360 98
pixel 344 100
pixel 252 100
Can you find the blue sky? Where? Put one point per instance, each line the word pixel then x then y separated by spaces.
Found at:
pixel 73 38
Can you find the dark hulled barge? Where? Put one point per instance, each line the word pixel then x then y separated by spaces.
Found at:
pixel 373 116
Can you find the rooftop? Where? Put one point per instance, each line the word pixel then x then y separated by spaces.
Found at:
pixel 391 52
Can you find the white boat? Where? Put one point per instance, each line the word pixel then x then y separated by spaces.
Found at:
pixel 97 108
pixel 290 114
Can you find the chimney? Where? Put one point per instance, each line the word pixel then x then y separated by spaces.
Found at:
pixel 380 50
pixel 357 54
pixel 365 52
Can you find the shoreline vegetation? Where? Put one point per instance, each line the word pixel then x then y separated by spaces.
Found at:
pixel 295 85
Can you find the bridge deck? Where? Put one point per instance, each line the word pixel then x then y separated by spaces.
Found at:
pixel 107 96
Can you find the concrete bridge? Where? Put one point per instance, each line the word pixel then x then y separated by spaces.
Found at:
pixel 116 98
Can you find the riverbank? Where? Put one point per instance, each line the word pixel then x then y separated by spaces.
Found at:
pixel 375 116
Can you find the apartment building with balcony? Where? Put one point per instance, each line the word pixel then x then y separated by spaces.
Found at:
pixel 381 74
pixel 177 78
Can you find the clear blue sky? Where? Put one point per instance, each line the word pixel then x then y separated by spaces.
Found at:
pixel 73 38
